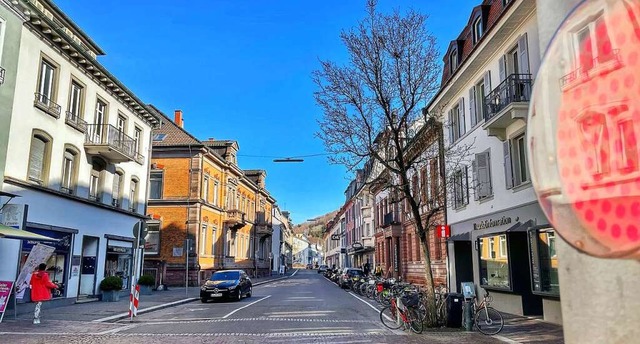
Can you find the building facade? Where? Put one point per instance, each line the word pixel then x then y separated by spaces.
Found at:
pixel 78 149
pixel 484 102
pixel 281 243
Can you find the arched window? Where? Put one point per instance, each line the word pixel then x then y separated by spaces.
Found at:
pixel 95 181
pixel 69 170
pixel 133 194
pixel 39 157
pixel 453 60
pixel 116 195
pixel 477 29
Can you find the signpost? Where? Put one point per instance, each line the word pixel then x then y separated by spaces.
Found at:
pixel 139 232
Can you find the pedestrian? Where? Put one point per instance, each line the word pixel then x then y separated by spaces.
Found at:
pixel 41 288
pixel 367 268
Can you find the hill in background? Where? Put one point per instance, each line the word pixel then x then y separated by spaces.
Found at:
pixel 314 229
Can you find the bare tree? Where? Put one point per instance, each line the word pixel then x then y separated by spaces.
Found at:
pixel 372 113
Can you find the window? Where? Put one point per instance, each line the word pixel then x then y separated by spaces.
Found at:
pixel 152 245
pixel 544 261
pixel 133 195
pixel 231 242
pixel 368 229
pixel 203 239
pixel 69 168
pixel 494 268
pixel 477 30
pixel 477 96
pixel 46 83
pixel 520 160
pixel 216 191
pixel 592 44
pixel 121 124
pixel 205 188
pixel 460 187
pixel 156 181
pixel 39 154
pixel 628 160
pixel 482 175
pixel 453 60
pixel 415 188
pixel 99 120
pixel 456 121
pixel 76 101
pixel 213 240
pixel 118 179
pixel 434 197
pixel 95 180
pixel 137 135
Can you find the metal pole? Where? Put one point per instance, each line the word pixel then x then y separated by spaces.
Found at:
pixel 186 282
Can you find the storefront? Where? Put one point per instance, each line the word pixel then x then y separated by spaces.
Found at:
pixel 58 265
pixel 119 259
pixel 512 255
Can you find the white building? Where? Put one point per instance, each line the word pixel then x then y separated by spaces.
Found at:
pixel 493 211
pixel 78 154
pixel 281 246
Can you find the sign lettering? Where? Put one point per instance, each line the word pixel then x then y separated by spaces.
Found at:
pixel 492 223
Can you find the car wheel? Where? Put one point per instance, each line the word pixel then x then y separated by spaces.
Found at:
pixel 249 293
pixel 239 294
pixel 203 300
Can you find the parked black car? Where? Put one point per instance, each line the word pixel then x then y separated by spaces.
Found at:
pixel 229 284
pixel 344 280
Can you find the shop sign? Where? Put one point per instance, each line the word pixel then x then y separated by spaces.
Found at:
pixel 443 231
pixel 62 245
pixel 118 250
pixel 492 223
pixel 5 291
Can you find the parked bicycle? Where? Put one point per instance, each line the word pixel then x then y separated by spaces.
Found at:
pixel 487 319
pixel 401 312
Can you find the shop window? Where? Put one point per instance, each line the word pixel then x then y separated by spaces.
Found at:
pixel 494 261
pixel 118 262
pixel 544 261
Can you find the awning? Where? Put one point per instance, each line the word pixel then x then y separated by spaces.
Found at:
pixel 520 227
pixel 13 233
pixel 466 236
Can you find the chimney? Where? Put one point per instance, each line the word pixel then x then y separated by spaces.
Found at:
pixel 178 120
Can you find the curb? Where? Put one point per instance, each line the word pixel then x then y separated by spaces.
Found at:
pixel 117 317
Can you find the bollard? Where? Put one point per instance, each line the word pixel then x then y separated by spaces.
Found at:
pixel 468 316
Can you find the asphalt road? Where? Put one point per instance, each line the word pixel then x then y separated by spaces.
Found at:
pixel 306 308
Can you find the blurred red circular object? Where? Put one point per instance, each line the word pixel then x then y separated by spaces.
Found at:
pixel 584 126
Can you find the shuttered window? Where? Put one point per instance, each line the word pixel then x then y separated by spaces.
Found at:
pixel 482 176
pixel 68 171
pixel 38 159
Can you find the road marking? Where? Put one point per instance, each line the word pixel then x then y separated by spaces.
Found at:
pixel 505 339
pixel 116 330
pixel 243 307
pixel 145 310
pixel 294 273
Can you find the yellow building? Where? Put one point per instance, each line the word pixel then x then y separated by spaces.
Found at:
pixel 203 208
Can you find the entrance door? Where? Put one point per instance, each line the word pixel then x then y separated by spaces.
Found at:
pixel 464 263
pixel 88 267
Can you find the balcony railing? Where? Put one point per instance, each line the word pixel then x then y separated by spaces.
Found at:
pixel 515 88
pixel 390 219
pixel 598 63
pixel 76 122
pixel 110 142
pixel 235 219
pixel 2 73
pixel 45 104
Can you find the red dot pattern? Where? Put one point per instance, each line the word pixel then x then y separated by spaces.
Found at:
pixel 605 196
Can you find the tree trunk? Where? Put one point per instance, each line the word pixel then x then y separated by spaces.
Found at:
pixel 430 304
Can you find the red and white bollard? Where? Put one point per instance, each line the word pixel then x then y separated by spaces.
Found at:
pixel 133 302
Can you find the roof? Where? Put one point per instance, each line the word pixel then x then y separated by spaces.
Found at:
pixel 174 135
pixel 76 28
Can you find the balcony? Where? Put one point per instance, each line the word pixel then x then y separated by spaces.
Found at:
pixel 2 73
pixel 597 66
pixel 391 225
pixel 263 229
pixel 109 142
pixel 235 219
pixel 506 104
pixel 74 121
pixel 45 104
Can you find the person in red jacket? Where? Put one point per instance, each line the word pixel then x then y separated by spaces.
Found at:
pixel 41 288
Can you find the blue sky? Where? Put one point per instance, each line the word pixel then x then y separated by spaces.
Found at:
pixel 241 70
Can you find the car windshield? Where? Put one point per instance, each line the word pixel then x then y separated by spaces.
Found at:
pixel 355 272
pixel 225 276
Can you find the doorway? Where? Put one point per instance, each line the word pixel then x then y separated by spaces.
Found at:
pixel 88 267
pixel 464 263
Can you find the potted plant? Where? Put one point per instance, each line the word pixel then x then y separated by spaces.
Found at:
pixel 146 282
pixel 111 287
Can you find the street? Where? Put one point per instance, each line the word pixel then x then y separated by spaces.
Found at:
pixel 302 309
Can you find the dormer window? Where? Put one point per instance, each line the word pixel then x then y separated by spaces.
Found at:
pixel 477 30
pixel 453 60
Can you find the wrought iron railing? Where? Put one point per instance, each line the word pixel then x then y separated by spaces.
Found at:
pixel 76 122
pixel 2 73
pixel 582 71
pixel 391 218
pixel 108 135
pixel 515 88
pixel 47 105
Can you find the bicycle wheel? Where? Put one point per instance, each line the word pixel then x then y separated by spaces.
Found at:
pixel 414 321
pixel 489 321
pixel 390 318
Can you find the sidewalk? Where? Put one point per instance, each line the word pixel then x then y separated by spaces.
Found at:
pixel 111 311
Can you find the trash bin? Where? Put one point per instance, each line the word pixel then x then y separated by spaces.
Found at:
pixel 454 310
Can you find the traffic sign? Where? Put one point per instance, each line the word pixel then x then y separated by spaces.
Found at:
pixel 142 231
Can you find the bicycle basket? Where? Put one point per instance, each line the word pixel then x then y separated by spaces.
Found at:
pixel 411 300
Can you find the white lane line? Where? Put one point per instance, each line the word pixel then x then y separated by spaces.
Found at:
pixel 243 307
pixel 116 330
pixel 505 339
pixel 294 273
pixel 378 311
pixel 145 310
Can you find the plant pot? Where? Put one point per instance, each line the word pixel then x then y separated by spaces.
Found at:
pixel 145 290
pixel 111 296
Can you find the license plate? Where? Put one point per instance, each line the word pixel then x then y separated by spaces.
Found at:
pixel 216 295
